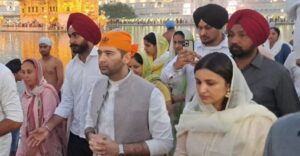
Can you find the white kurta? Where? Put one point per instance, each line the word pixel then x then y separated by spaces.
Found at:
pixel 79 80
pixel 293 10
pixel 159 122
pixel 10 107
pixel 172 77
pixel 294 71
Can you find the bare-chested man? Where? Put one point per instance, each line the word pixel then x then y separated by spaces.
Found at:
pixel 52 66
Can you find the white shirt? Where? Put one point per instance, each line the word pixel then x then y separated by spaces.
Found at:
pixel 79 80
pixel 294 71
pixel 159 121
pixel 172 77
pixel 293 10
pixel 10 106
pixel 20 88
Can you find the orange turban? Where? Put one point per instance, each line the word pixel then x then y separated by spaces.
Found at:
pixel 120 40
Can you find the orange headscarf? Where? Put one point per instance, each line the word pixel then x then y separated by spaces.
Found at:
pixel 120 40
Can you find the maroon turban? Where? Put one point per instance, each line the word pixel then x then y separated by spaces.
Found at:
pixel 85 27
pixel 255 25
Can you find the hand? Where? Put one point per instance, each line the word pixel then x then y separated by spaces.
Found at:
pixel 88 131
pixel 170 108
pixel 178 98
pixel 185 57
pixel 32 151
pixel 196 59
pixel 102 145
pixel 37 136
pixel 298 62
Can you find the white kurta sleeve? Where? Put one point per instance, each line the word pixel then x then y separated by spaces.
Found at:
pixel 170 75
pixel 9 98
pixel 65 107
pixel 159 125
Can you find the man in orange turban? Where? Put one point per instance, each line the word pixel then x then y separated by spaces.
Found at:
pixel 268 80
pixel 81 73
pixel 126 114
pixel 123 42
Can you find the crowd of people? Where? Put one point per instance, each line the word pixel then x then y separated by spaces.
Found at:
pixel 220 95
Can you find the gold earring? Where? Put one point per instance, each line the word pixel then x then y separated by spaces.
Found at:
pixel 227 95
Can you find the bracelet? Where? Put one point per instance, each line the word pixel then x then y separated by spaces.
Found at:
pixel 121 150
pixel 48 129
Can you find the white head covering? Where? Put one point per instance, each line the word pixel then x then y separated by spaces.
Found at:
pixel 276 47
pixel 293 10
pixel 45 40
pixel 187 36
pixel 201 117
pixel 291 7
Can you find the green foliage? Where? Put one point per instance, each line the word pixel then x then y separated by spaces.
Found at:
pixel 118 10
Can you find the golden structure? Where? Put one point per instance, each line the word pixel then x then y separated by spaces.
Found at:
pixel 53 14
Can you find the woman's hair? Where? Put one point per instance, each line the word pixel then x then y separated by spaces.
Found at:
pixel 276 30
pixel 138 58
pixel 30 61
pixel 179 33
pixel 150 38
pixel 218 63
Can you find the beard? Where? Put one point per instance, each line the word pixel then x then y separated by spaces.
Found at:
pixel 208 40
pixel 79 48
pixel 111 70
pixel 238 52
pixel 44 53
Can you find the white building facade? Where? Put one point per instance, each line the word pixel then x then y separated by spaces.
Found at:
pixel 273 10
pixel 9 11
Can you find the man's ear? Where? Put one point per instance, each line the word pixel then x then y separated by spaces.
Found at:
pixel 126 58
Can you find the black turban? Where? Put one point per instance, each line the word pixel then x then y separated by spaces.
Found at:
pixel 212 14
pixel 14 65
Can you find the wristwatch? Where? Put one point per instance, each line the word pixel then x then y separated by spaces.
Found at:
pixel 121 150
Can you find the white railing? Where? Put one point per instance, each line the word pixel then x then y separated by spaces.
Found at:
pixel 27 29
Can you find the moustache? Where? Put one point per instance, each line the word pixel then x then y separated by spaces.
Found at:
pixel 203 36
pixel 74 45
pixel 235 46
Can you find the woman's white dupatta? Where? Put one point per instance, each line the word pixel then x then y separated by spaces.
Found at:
pixel 204 118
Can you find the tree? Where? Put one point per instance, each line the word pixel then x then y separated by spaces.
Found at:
pixel 118 10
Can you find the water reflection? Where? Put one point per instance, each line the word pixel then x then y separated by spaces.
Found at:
pixel 25 44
